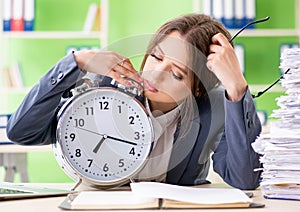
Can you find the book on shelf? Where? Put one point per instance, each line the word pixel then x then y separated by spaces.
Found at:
pixel 3 123
pixel 92 20
pixel 153 195
pixel 6 77
pixel 17 21
pixel 7 14
pixel 16 75
pixel 29 10
pixel 18 15
pixel 232 13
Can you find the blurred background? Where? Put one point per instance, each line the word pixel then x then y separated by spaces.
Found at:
pixel 59 26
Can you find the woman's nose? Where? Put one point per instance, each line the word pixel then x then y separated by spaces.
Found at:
pixel 162 70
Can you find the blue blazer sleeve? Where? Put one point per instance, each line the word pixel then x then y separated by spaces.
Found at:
pixel 34 122
pixel 234 158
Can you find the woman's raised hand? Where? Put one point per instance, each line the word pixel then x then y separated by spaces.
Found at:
pixel 223 62
pixel 106 63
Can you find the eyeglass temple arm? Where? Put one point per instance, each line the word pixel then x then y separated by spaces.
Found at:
pixel 247 25
pixel 262 92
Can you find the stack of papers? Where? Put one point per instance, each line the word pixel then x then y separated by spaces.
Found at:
pixel 280 148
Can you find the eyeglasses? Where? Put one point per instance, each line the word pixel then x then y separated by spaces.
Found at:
pixel 249 24
pixel 236 34
pixel 270 86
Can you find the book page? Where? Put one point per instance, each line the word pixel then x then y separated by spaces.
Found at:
pixel 112 200
pixel 190 194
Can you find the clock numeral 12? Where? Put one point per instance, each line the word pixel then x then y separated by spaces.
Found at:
pixel 104 105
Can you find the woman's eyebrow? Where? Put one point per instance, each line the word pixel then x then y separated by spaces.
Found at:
pixel 177 66
pixel 180 68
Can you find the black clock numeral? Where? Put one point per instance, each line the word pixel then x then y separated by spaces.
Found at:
pixel 137 135
pixel 72 136
pixel 89 111
pixel 78 153
pixel 132 151
pixel 90 161
pixel 104 105
pixel 120 109
pixel 79 122
pixel 131 119
pixel 105 168
pixel 121 163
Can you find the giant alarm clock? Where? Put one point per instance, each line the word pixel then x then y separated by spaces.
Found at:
pixel 104 136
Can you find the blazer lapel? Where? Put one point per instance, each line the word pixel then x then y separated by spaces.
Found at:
pixel 181 153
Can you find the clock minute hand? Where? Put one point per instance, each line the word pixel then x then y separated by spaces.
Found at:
pixel 110 137
pixel 122 140
pixel 89 131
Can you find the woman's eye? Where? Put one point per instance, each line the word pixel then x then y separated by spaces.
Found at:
pixel 179 78
pixel 156 57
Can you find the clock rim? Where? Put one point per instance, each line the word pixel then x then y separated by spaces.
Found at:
pixel 66 165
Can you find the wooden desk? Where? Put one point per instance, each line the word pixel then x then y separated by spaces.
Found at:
pixel 52 203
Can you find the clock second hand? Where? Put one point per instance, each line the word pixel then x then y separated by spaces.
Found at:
pixel 110 137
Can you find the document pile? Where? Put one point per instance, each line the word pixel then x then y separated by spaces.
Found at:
pixel 280 148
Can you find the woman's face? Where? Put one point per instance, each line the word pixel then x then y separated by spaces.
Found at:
pixel 165 73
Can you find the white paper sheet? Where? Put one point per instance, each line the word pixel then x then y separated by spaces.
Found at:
pixel 189 194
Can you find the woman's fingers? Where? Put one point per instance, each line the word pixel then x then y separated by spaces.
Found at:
pixel 221 40
pixel 107 63
pixel 126 69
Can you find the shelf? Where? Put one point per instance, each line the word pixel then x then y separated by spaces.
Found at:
pixel 258 88
pixel 266 32
pixel 99 34
pixel 6 90
pixel 53 35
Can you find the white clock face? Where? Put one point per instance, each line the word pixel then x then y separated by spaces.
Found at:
pixel 105 136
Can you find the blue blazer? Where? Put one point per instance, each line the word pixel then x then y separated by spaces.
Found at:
pixel 221 127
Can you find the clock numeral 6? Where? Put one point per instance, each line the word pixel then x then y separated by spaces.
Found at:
pixel 104 105
pixel 105 168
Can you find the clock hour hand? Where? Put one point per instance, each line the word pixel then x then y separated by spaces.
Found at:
pixel 97 147
pixel 110 137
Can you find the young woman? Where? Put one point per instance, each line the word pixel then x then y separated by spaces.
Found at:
pixel 195 93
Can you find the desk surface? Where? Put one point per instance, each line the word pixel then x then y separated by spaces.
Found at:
pixel 15 148
pixel 52 203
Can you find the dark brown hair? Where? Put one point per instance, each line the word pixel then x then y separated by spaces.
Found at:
pixel 197 29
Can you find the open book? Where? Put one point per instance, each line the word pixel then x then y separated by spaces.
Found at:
pixel 151 195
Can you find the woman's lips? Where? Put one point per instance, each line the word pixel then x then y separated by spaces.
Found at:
pixel 149 86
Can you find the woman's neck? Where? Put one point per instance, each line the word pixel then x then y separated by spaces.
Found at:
pixel 161 107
